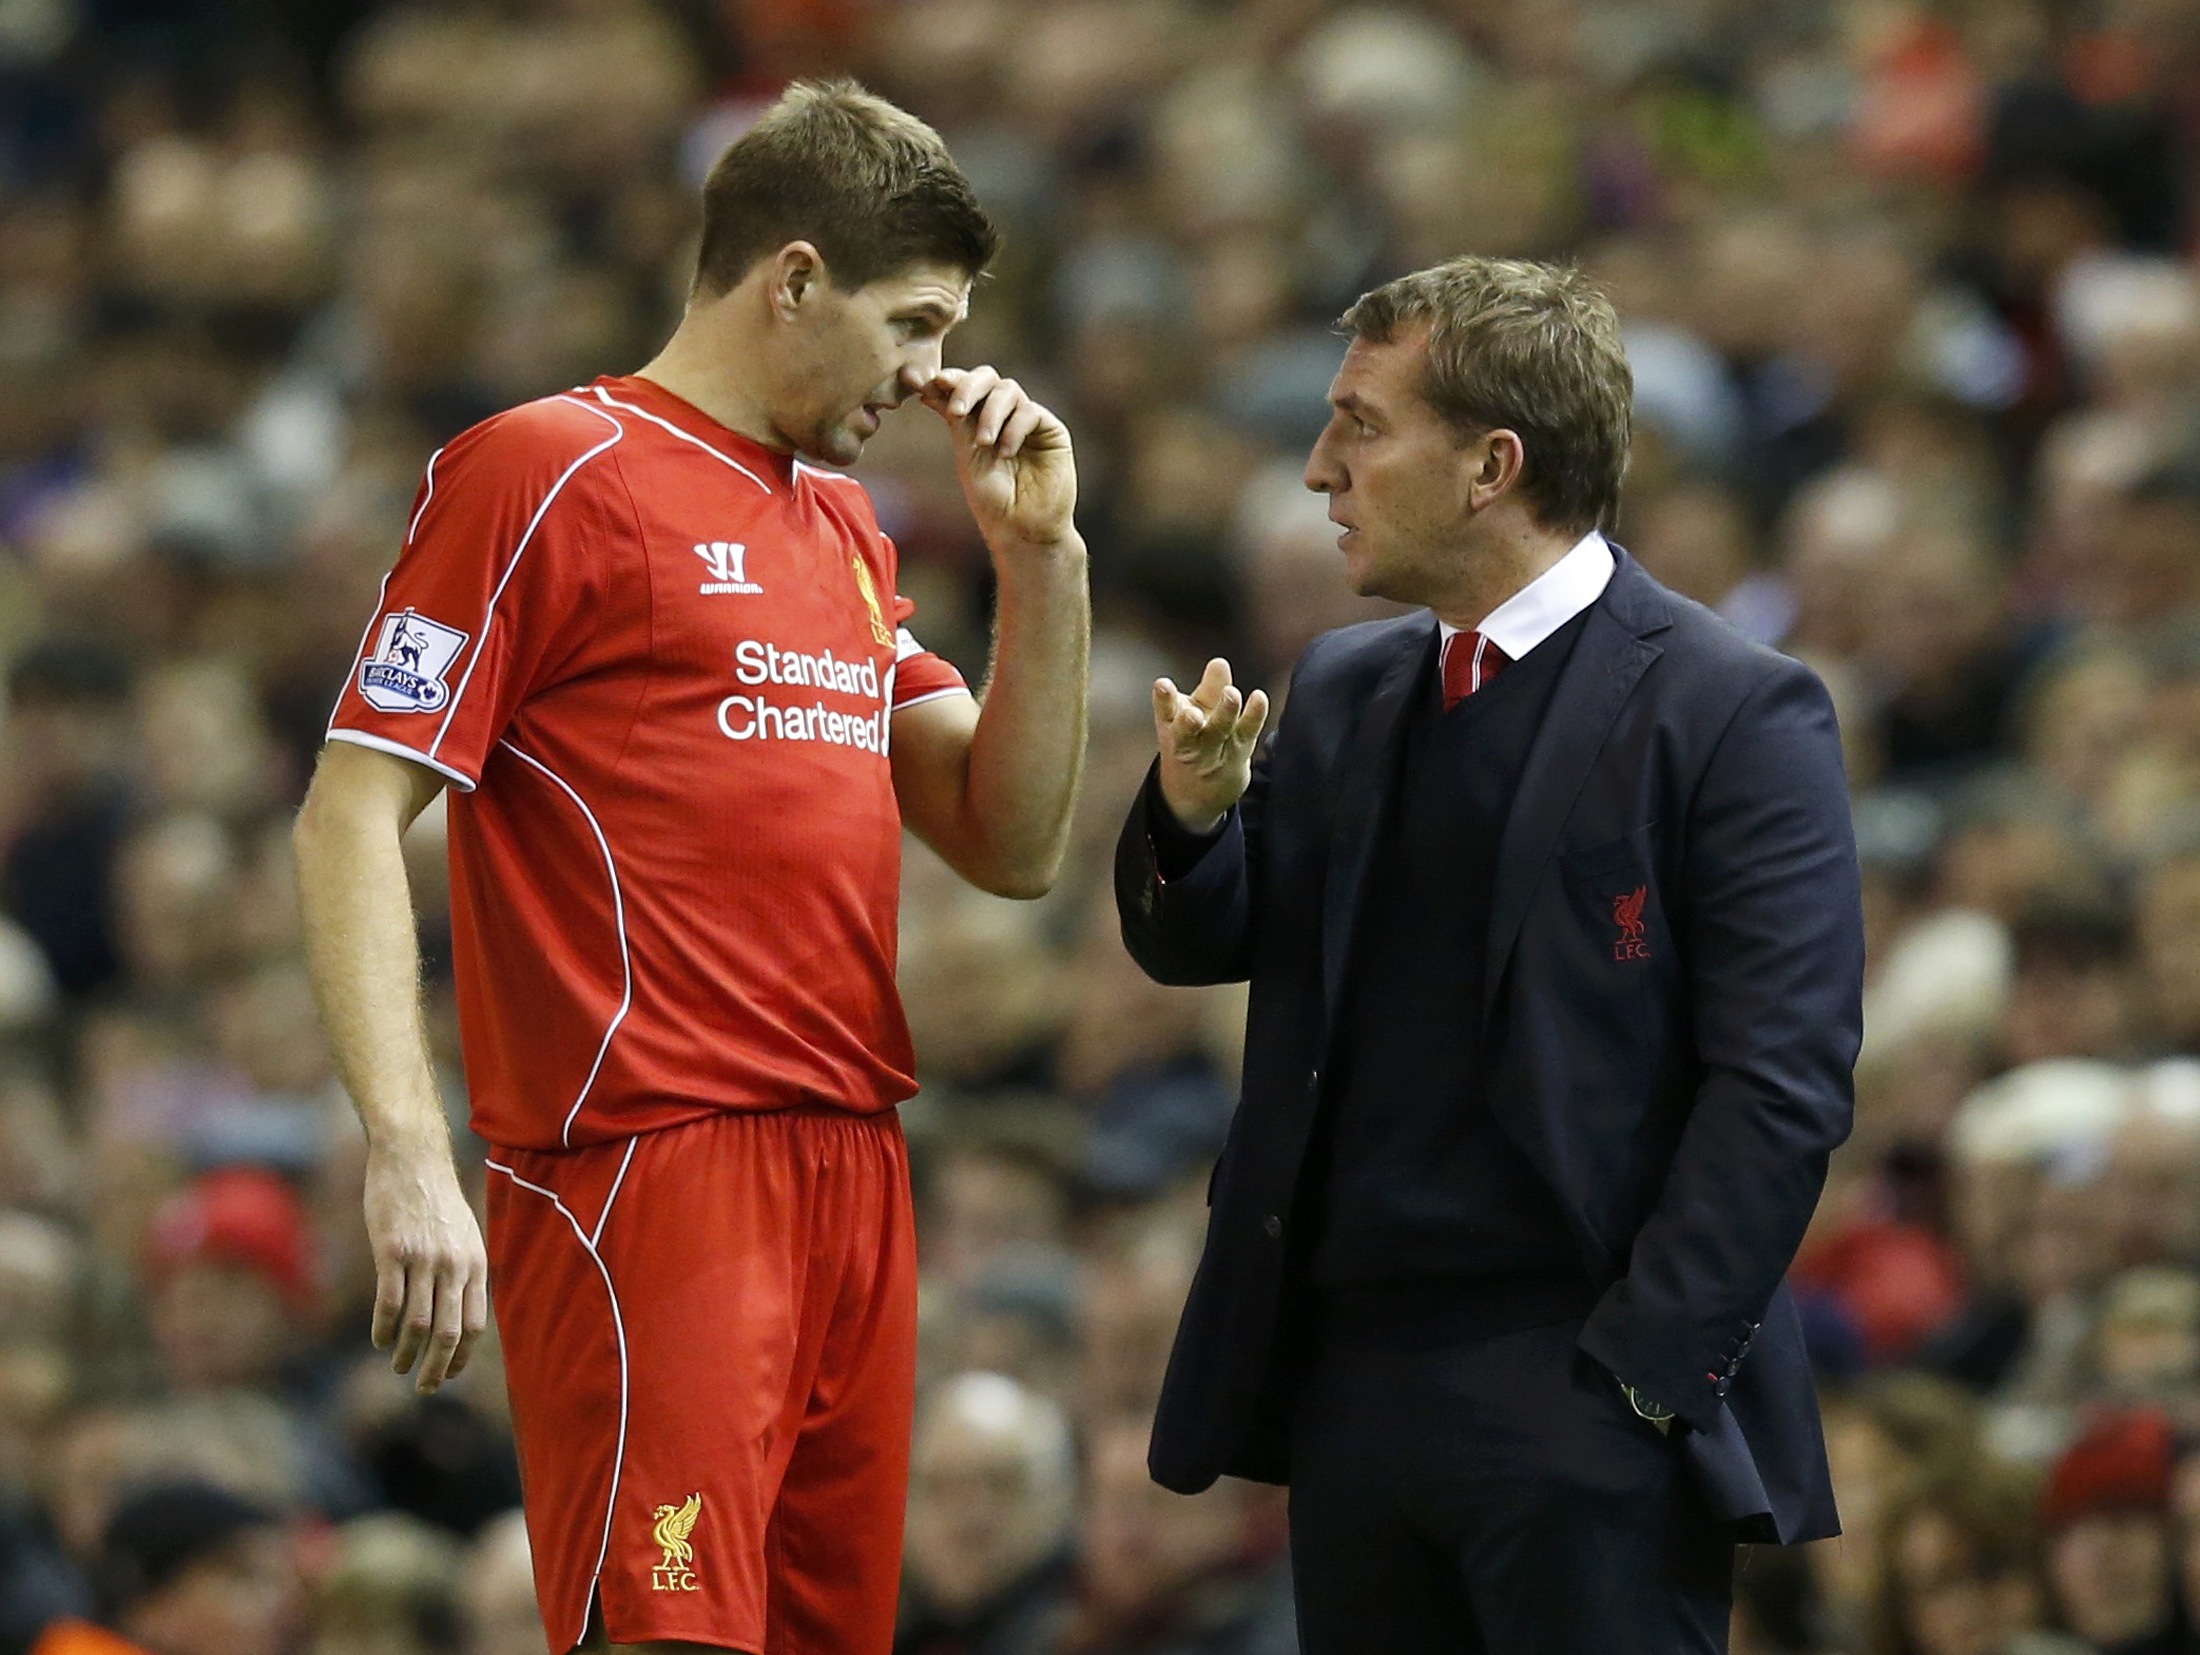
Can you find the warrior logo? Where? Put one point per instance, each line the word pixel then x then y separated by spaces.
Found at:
pixel 869 588
pixel 728 562
pixel 1627 915
pixel 405 672
pixel 671 1530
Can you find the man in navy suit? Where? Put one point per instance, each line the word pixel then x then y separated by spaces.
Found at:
pixel 1549 902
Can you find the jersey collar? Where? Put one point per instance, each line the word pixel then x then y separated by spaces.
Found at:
pixel 653 397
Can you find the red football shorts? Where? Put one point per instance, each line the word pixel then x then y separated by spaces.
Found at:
pixel 710 1337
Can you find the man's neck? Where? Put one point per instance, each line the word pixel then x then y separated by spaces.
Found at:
pixel 1506 564
pixel 696 365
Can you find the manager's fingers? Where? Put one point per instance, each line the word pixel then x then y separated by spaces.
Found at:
pixel 1253 719
pixel 1212 682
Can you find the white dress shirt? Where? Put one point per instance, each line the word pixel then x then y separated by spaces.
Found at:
pixel 1546 603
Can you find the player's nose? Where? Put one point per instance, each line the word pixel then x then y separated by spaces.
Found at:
pixel 922 365
pixel 909 380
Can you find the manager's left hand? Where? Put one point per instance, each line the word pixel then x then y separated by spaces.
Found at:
pixel 1013 456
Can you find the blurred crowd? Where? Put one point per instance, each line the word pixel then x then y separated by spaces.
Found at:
pixel 1911 301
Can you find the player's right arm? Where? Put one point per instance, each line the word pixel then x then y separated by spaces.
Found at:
pixel 431 1272
pixel 501 579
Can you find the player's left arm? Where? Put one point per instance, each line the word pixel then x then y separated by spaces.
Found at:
pixel 990 783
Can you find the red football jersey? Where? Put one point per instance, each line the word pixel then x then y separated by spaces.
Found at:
pixel 658 662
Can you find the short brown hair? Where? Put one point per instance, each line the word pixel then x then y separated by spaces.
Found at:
pixel 1531 348
pixel 870 185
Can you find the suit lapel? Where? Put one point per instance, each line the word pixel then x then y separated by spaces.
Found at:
pixel 1607 662
pixel 1362 802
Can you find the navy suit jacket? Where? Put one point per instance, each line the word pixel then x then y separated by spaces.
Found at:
pixel 1671 1015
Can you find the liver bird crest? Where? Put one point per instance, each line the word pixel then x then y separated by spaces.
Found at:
pixel 673 1526
pixel 1627 913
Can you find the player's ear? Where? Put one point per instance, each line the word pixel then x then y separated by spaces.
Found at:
pixel 798 273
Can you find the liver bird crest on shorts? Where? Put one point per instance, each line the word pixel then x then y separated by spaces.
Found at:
pixel 673 1526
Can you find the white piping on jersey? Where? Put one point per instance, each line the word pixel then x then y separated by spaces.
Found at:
pixel 382 744
pixel 906 645
pixel 481 644
pixel 413 527
pixel 930 695
pixel 618 910
pixel 618 1326
pixel 380 598
pixel 809 470
pixel 685 436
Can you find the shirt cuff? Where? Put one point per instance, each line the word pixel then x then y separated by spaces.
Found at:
pixel 1177 850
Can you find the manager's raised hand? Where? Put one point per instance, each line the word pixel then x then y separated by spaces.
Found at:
pixel 1207 740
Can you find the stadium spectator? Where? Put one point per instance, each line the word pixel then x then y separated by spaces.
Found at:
pixel 188 1569
pixel 993 1482
pixel 1158 1572
pixel 1961 1574
pixel 392 1589
pixel 2111 1566
pixel 497 1592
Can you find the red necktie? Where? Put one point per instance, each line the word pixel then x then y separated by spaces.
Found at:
pixel 1470 661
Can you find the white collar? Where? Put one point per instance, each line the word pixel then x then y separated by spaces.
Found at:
pixel 1547 602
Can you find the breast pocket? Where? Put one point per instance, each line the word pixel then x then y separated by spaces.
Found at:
pixel 1612 963
pixel 1611 894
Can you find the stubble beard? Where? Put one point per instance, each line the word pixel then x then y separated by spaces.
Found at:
pixel 836 444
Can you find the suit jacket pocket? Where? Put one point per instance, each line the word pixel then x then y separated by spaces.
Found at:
pixel 1608 939
pixel 1592 862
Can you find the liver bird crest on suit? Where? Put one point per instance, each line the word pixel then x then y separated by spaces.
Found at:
pixel 1627 913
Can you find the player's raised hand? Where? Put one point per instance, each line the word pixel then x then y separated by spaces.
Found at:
pixel 431 1272
pixel 1013 456
pixel 1207 741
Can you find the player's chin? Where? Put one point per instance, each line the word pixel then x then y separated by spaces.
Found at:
pixel 838 445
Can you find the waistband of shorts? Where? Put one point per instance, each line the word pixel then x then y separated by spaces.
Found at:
pixel 1439 1310
pixel 800 1115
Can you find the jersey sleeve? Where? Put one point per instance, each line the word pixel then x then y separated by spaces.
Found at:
pixel 919 675
pixel 497 588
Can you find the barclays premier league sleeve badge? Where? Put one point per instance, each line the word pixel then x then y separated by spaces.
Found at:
pixel 405 672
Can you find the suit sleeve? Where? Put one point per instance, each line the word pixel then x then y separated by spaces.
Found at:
pixel 1196 928
pixel 1772 929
